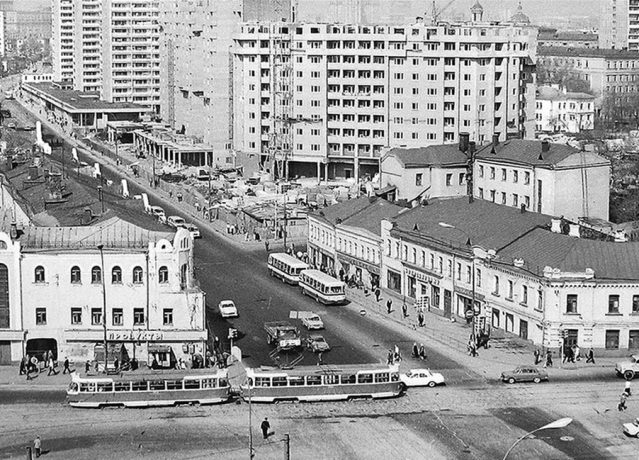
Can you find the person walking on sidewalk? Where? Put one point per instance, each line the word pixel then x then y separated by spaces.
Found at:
pixel 377 292
pixel 266 245
pixel 420 319
pixel 415 350
pixel 37 446
pixel 265 426
pixel 404 310
pixel 537 355
pixel 51 365
pixel 548 359
pixel 66 366
pixel 389 306
pixel 622 402
pixel 23 366
pixel 389 357
pixel 590 356
pixel 422 352
pixel 626 390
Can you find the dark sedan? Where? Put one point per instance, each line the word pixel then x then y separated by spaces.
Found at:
pixel 524 374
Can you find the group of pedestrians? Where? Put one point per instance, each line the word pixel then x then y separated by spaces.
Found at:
pixel 33 365
pixel 419 352
pixel 394 356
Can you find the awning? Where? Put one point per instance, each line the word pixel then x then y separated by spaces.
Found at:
pixel 385 190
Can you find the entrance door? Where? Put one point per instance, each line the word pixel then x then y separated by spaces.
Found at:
pixel 448 303
pixel 5 352
pixel 572 338
pixel 39 347
pixel 523 329
pixel 5 319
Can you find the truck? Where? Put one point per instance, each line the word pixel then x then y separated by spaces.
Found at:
pixel 628 369
pixel 283 334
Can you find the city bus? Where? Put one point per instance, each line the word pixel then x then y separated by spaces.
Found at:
pixel 149 389
pixel 285 267
pixel 322 287
pixel 322 383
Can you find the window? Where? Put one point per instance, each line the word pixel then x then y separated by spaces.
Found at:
pixel 515 176
pixel 503 174
pixel 116 275
pixel 526 178
pixel 96 275
pixel 540 299
pixel 524 295
pixel 96 316
pixel 481 171
pixel 571 303
pixel 478 278
pixel 510 290
pixel 41 316
pixel 137 275
pixel 163 275
pixel 76 275
pixel 167 317
pixel 496 285
pixel 449 180
pixel 492 172
pixel 138 316
pixel 635 303
pixel 613 304
pixel 39 274
pixel 633 339
pixel 118 317
pixel 76 315
pixel 418 179
pixel 612 339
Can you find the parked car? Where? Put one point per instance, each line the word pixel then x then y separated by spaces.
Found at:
pixel 316 343
pixel 175 221
pixel 195 232
pixel 228 309
pixel 157 211
pixel 524 374
pixel 632 428
pixel 628 369
pixel 421 378
pixel 312 321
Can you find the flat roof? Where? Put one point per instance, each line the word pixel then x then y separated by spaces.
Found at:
pixel 586 52
pixel 78 101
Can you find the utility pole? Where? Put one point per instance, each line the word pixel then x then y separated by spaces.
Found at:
pixel 250 424
pixel 287 447
pixel 285 223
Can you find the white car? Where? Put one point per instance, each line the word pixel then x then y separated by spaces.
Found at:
pixel 195 232
pixel 421 378
pixel 175 221
pixel 632 429
pixel 313 321
pixel 158 213
pixel 227 309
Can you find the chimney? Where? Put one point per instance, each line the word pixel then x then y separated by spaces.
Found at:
pixel 545 146
pixel 573 230
pixel 620 236
pixel 13 232
pixel 555 225
pixel 495 140
pixel 518 262
pixel 463 141
pixel 419 20
pixel 471 147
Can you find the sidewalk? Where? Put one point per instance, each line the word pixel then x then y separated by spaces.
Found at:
pixel 451 338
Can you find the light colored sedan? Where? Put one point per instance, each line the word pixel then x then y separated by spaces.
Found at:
pixel 632 428
pixel 313 321
pixel 228 309
pixel 421 378
pixel 175 221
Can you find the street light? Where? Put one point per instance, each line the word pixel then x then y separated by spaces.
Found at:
pixel 561 423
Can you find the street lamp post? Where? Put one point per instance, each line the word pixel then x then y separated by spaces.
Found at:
pixel 104 303
pixel 561 423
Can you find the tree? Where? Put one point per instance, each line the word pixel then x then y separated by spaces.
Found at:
pixel 564 75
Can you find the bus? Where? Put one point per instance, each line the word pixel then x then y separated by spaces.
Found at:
pixel 322 383
pixel 149 389
pixel 285 267
pixel 322 287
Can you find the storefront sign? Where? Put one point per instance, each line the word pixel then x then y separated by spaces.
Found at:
pixel 358 263
pixel 468 293
pixel 136 336
pixel 423 277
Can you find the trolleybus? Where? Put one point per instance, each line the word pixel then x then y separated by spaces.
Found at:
pixel 147 389
pixel 285 267
pixel 322 383
pixel 322 287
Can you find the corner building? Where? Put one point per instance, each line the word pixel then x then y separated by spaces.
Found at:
pixel 325 98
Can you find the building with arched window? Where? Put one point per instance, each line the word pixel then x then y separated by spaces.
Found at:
pixel 153 306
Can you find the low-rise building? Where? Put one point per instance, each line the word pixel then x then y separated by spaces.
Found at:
pixel 561 111
pixel 549 36
pixel 69 289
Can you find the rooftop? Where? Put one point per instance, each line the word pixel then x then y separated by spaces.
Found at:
pixel 114 233
pixel 434 155
pixel 548 93
pixel 586 52
pixel 527 152
pixel 79 101
pixel 370 216
pixel 568 35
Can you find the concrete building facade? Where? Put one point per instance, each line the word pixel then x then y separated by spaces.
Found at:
pixel 561 111
pixel 300 88
pixel 613 26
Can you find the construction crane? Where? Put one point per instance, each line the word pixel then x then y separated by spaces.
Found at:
pixel 436 13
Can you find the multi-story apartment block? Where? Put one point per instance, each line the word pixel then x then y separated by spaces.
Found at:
pixel 561 111
pixel 324 99
pixel 605 70
pixel 110 46
pixel 567 38
pixel 613 27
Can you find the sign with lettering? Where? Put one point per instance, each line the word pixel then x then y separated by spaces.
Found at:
pixel 136 336
pixel 423 277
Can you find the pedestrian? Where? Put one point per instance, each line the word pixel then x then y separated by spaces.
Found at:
pixel 590 356
pixel 377 291
pixel 537 355
pixel 422 352
pixel 622 402
pixel 37 446
pixel 341 276
pixel 87 366
pixel 404 310
pixel 34 364
pixel 389 306
pixel 548 359
pixel 116 364
pixel 23 368
pixel 66 366
pixel 389 359
pixel 472 348
pixel 266 244
pixel 415 350
pixel 576 353
pixel 319 359
pixel 51 365
pixel 627 389
pixel 420 319
pixel 265 427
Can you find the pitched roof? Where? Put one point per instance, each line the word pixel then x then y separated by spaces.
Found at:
pixel 113 233
pixel 554 94
pixel 455 221
pixel 433 155
pixel 527 152
pixel 363 212
pixel 541 248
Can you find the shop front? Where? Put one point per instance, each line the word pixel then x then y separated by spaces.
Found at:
pixel 420 286
pixel 320 258
pixel 364 273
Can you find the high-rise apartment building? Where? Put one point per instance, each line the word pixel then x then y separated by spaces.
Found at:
pixel 111 46
pixel 324 99
pixel 619 27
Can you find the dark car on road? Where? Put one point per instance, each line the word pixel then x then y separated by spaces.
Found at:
pixel 524 374
pixel 316 343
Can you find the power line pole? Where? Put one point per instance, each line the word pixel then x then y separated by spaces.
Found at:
pixel 287 447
